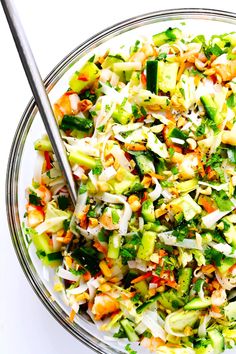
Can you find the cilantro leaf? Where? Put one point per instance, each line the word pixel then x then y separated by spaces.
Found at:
pixel 34 199
pixel 222 200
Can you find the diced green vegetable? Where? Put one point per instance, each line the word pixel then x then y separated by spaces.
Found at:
pixel 187 186
pixel 110 60
pixel 129 330
pixel 184 281
pixel 145 163
pixel 148 212
pixel 126 184
pixel 121 116
pixel 73 122
pixel 114 246
pixel 187 205
pixel 152 77
pixel 198 304
pixel 211 109
pixel 141 287
pixel 147 303
pixel 85 77
pixel 230 311
pixel 217 341
pixel 43 144
pixel 171 300
pixel 170 35
pixel 82 159
pixel 167 76
pixel 146 248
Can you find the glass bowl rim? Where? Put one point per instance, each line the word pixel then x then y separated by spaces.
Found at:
pixel 25 124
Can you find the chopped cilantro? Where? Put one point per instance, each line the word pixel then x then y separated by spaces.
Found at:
pixel 143 111
pixel 34 199
pixel 135 111
pixel 101 128
pixel 175 170
pixel 200 129
pixel 162 56
pixel 222 200
pixel 91 214
pixel 231 101
pixel 129 349
pixel 171 152
pixel 214 161
pixel 120 334
pixel 77 272
pixel 181 231
pixel 213 256
pixel 127 254
pixel 182 92
pixel 97 170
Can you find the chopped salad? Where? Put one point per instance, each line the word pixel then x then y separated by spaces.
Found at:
pixel 149 251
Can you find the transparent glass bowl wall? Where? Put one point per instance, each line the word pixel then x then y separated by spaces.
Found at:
pixel 22 156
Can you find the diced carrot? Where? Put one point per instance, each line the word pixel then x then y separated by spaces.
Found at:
pixel 215 308
pixel 170 116
pixel 135 147
pixel 141 277
pixel 72 315
pixel 145 197
pixel 143 79
pixel 207 203
pixel 101 248
pixel 87 276
pixel 160 177
pixel 208 269
pixel 181 70
pixel 162 253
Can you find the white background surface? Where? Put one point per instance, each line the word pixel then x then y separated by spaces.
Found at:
pixel 54 28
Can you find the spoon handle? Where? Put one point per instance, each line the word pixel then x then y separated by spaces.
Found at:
pixel 40 94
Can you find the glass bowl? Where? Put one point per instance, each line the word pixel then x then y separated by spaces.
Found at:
pixel 22 155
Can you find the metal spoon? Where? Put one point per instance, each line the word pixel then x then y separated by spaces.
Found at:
pixel 39 93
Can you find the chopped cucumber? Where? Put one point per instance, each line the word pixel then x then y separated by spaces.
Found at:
pixel 211 109
pixel 114 246
pixel 148 212
pixel 146 248
pixel 170 35
pixel 198 304
pixel 85 77
pixel 121 116
pixel 110 60
pixel 126 184
pixel 167 76
pixel 72 122
pixel 152 78
pixel 130 332
pixel 82 159
pixel 226 264
pixel 146 304
pixel 230 311
pixel 43 144
pixel 217 341
pixel 171 300
pixel 185 277
pixel 141 287
pixel 144 163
